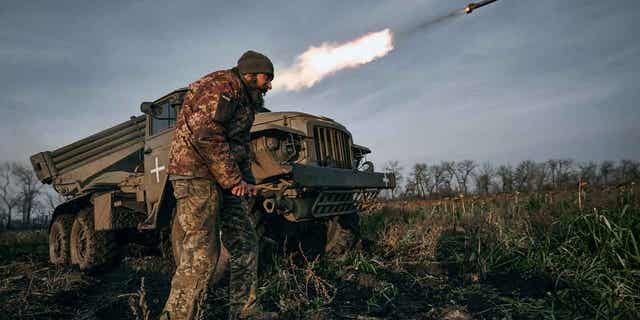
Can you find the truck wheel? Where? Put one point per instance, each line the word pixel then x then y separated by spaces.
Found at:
pixel 91 249
pixel 343 233
pixel 59 239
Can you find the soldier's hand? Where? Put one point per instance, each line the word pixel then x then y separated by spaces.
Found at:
pixel 243 188
pixel 251 189
pixel 240 189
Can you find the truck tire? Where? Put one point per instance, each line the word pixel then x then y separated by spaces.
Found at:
pixel 90 249
pixel 342 234
pixel 59 239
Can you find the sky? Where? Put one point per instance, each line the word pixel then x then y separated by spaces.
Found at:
pixel 512 81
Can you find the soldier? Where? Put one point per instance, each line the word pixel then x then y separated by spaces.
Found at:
pixel 210 170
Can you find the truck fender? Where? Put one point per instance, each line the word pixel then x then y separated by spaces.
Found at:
pixel 71 206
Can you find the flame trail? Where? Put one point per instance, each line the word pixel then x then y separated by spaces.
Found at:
pixel 319 62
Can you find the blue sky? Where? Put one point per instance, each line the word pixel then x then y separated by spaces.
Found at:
pixel 515 80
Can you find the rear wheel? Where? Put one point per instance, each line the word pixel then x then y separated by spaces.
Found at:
pixel 91 249
pixel 59 239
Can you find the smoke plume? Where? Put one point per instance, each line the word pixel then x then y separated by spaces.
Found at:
pixel 319 62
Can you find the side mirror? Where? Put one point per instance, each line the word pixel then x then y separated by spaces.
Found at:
pixel 150 108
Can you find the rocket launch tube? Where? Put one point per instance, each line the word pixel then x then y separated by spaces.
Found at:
pixel 475 5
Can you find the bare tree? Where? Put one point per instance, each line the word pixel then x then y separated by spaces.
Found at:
pixel 10 198
pixel 588 172
pixel 484 178
pixel 553 165
pixel 421 179
pixel 394 168
pixel 560 172
pixel 525 175
pixel 606 170
pixel 441 179
pixel 462 171
pixel 566 173
pixel 628 171
pixel 450 168
pixel 505 172
pixel 540 174
pixel 29 188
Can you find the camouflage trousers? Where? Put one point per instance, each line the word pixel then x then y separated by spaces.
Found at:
pixel 199 203
pixel 240 238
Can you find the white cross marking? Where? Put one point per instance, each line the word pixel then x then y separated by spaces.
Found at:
pixel 385 180
pixel 157 171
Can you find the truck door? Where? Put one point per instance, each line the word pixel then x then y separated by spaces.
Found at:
pixel 156 152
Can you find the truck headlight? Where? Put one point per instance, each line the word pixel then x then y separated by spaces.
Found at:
pixel 283 147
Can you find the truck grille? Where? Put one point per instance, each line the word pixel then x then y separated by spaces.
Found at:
pixel 333 148
pixel 339 202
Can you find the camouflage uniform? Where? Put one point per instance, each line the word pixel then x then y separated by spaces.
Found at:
pixel 209 155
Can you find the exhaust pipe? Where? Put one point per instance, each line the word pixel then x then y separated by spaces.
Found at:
pixel 269 205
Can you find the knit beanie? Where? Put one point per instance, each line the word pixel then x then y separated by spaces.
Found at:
pixel 254 62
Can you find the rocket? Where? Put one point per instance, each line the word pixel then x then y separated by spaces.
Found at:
pixel 475 5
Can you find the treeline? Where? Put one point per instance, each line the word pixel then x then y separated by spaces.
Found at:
pixel 24 201
pixel 451 178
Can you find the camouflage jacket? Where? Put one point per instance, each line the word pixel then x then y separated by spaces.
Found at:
pixel 212 132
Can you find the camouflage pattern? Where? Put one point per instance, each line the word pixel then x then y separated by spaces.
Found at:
pixel 198 202
pixel 241 240
pixel 211 143
pixel 213 130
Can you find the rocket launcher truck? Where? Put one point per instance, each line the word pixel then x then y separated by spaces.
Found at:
pixel 308 173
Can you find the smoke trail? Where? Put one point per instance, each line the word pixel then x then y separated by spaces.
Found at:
pixel 433 22
pixel 319 62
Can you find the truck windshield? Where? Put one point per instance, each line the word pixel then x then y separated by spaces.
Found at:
pixel 165 119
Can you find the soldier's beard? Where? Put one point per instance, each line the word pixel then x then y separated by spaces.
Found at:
pixel 257 94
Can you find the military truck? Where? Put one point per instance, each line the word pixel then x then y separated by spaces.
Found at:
pixel 308 172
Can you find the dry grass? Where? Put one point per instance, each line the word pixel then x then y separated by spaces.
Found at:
pixel 508 257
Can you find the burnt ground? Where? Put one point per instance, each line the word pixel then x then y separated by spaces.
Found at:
pixel 31 288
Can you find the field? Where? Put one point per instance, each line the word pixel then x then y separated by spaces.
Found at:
pixel 504 257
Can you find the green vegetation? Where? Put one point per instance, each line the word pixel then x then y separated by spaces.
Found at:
pixel 520 257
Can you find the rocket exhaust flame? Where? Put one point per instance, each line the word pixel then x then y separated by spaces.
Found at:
pixel 319 62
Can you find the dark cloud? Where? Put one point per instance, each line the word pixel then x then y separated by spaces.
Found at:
pixel 515 80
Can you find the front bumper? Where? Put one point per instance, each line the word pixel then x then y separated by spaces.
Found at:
pixel 327 192
pixel 333 178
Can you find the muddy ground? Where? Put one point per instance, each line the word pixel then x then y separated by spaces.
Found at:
pixel 31 288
